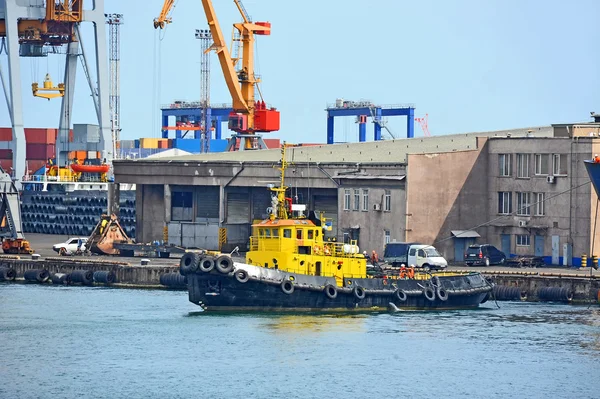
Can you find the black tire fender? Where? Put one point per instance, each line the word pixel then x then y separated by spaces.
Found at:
pixel 359 292
pixel 188 263
pixel 442 294
pixel 242 276
pixel 224 264
pixel 330 291
pixel 429 293
pixel 401 295
pixel 207 264
pixel 287 286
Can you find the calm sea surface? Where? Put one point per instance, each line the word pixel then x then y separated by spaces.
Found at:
pixel 70 342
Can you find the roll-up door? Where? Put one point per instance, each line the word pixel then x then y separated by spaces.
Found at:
pixel 207 203
pixel 238 208
pixel 329 205
pixel 261 200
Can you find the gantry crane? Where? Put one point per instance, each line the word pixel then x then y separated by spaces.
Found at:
pixel 31 28
pixel 249 116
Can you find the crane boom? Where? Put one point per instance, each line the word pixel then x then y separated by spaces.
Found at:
pixel 220 46
pixel 164 18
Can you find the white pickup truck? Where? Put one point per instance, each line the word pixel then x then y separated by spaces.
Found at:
pixel 70 247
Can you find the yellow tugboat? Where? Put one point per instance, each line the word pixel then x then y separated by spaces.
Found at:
pixel 290 267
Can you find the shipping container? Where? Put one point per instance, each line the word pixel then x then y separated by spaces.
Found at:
pixel 272 143
pixel 136 143
pixel 39 151
pixel 6 154
pixel 148 142
pixel 40 136
pixel 189 145
pixel 6 164
pixel 5 134
pixel 35 165
pixel 218 145
pixel 163 143
pixel 126 144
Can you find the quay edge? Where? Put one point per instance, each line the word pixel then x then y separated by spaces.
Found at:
pixel 585 289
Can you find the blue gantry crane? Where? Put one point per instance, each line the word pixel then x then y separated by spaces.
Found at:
pixel 363 110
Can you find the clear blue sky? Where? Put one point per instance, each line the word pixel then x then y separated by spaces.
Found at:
pixel 471 65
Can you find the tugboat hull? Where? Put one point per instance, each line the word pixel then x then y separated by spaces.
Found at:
pixel 250 288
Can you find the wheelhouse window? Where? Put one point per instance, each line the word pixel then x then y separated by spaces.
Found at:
pixel 347 199
pixel 523 203
pixel 539 204
pixel 559 164
pixel 365 202
pixel 356 200
pixel 505 202
pixel 522 240
pixel 387 201
pixel 310 234
pixel 275 233
pixel 542 162
pixel 504 164
pixel 523 165
pixel 299 234
pixel 287 233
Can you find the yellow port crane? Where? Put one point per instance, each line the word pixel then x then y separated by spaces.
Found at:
pixel 249 116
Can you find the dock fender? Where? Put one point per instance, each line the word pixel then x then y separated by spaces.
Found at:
pixel 188 263
pixel 359 292
pixel 207 264
pixel 441 293
pixel 401 295
pixel 287 286
pixel 224 264
pixel 330 291
pixel 242 276
pixel 429 293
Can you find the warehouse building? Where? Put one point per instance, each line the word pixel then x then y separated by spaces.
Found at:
pixel 524 190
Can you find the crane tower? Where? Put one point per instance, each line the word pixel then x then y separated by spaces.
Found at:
pixel 114 22
pixel 205 126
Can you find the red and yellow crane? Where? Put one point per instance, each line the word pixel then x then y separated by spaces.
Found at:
pixel 249 116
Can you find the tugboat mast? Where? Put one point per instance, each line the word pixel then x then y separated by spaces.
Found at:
pixel 282 211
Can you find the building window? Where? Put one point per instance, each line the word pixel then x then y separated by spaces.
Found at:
pixel 387 201
pixel 523 165
pixel 541 164
pixel 539 204
pixel 356 200
pixel 386 237
pixel 347 199
pixel 559 164
pixel 504 163
pixel 505 202
pixel 365 205
pixel 523 204
pixel 522 240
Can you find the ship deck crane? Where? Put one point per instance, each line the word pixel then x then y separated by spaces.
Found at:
pixel 249 116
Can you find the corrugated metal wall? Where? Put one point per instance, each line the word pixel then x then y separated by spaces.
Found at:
pixel 238 208
pixel 261 200
pixel 207 204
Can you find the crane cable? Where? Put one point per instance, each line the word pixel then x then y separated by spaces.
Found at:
pixel 513 213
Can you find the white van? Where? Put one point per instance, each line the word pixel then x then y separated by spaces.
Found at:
pixel 427 257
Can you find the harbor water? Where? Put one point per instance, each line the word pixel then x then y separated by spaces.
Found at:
pixel 79 342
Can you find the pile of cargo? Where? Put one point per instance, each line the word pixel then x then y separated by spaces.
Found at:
pixel 72 213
